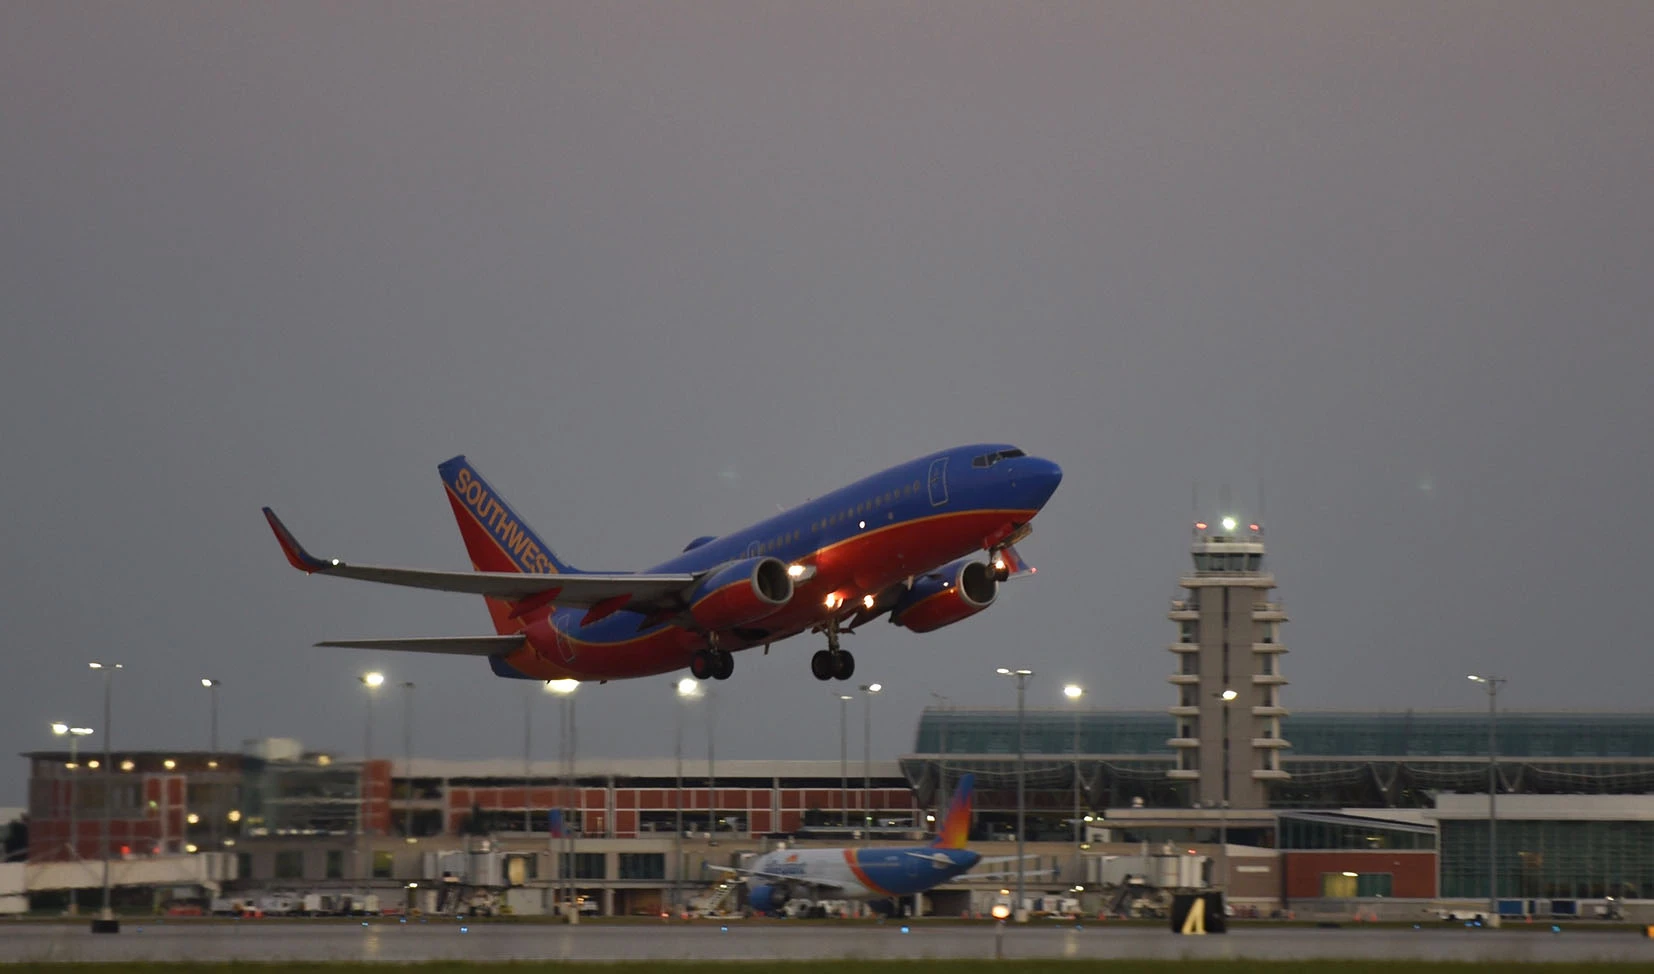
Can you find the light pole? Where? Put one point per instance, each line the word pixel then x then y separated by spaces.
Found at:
pixel 75 734
pixel 688 689
pixel 372 682
pixel 1074 691
pixel 711 766
pixel 407 760
pixel 1491 683
pixel 212 731
pixel 1228 697
pixel 528 767
pixel 844 760
pixel 1021 676
pixel 942 759
pixel 565 690
pixel 212 686
pixel 867 689
pixel 106 922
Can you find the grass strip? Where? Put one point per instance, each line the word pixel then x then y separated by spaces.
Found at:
pixel 940 966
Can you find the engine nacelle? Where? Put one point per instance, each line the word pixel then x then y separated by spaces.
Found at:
pixel 768 899
pixel 953 592
pixel 740 592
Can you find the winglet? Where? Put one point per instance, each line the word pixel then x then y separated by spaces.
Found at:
pixel 303 560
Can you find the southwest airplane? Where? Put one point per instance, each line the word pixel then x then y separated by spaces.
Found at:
pixel 863 874
pixel 904 542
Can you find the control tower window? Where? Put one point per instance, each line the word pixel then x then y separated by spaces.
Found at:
pixel 1188 632
pixel 1267 666
pixel 1253 562
pixel 1189 696
pixel 1191 662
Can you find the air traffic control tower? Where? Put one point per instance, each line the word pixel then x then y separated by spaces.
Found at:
pixel 1228 673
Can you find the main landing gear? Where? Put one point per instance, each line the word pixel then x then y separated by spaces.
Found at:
pixel 712 663
pixel 832 663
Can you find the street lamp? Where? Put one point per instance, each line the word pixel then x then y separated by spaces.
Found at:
pixel 74 734
pixel 106 922
pixel 844 760
pixel 212 733
pixel 1074 691
pixel 1021 677
pixel 688 688
pixel 867 689
pixel 565 690
pixel 407 760
pixel 1228 697
pixel 1491 683
pixel 372 682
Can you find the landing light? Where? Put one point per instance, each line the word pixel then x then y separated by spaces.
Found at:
pixel 1001 911
pixel 999 563
pixel 1350 874
pixel 867 600
pixel 795 571
pixel 833 601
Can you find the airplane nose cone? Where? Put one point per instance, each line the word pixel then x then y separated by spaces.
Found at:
pixel 1039 477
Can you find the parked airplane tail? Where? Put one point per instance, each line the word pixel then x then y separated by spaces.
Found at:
pixel 956 825
pixel 496 538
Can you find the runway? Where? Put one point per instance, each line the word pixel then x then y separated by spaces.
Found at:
pixel 391 941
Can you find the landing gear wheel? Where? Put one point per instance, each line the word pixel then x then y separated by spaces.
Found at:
pixel 725 665
pixel 844 665
pixel 821 665
pixel 703 665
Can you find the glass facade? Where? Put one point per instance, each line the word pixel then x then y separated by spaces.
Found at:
pixel 1394 735
pixel 642 865
pixel 1341 832
pixel 1552 860
pixel 1044 732
pixel 1531 735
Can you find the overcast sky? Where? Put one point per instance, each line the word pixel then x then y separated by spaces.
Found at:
pixel 659 269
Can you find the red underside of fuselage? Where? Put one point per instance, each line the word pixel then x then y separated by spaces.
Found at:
pixel 850 569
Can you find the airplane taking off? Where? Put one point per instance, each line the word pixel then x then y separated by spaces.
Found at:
pixel 903 542
pixel 879 873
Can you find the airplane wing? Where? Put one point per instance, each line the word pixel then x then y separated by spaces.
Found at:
pixel 455 645
pixel 641 593
pixel 791 880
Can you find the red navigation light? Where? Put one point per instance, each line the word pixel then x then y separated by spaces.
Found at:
pixel 1254 528
pixel 1200 525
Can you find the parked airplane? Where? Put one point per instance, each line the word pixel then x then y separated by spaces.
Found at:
pixel 863 874
pixel 902 542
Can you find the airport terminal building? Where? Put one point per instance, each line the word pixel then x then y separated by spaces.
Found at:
pixel 1288 811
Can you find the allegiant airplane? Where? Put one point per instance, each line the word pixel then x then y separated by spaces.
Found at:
pixel 863 874
pixel 906 542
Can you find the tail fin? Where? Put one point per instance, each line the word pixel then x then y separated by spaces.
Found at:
pixel 495 537
pixel 956 825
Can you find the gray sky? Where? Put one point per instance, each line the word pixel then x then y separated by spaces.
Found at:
pixel 659 268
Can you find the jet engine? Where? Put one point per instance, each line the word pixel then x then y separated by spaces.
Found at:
pixel 947 595
pixel 768 899
pixel 739 593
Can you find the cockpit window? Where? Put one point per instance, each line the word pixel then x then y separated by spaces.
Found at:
pixel 989 459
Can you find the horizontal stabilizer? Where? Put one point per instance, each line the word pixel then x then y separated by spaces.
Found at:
pixel 455 645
